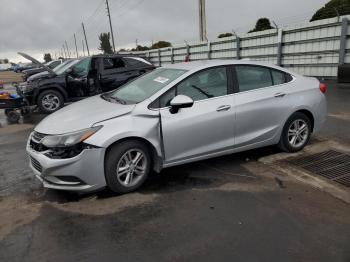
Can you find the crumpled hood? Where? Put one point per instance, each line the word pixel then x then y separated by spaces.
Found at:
pixel 37 76
pixel 81 115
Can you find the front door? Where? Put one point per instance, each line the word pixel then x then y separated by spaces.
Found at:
pixel 205 128
pixel 77 82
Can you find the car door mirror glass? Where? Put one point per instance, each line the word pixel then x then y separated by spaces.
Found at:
pixel 180 101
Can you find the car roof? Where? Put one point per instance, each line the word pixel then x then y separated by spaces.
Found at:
pixel 202 64
pixel 117 55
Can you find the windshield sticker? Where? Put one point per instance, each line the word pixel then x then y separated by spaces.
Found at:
pixel 161 79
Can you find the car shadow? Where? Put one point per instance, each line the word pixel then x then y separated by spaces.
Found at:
pixel 198 175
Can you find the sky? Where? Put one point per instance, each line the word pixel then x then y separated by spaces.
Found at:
pixel 42 26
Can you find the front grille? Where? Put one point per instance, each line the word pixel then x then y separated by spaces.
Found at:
pixel 36 164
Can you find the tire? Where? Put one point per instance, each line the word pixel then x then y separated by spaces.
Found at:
pixel 50 101
pixel 13 117
pixel 130 177
pixel 296 133
pixel 7 111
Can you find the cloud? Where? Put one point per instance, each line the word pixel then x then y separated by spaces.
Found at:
pixel 40 26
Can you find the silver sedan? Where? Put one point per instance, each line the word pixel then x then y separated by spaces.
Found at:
pixel 171 116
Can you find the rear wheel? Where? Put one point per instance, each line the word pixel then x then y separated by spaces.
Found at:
pixel 296 133
pixel 50 101
pixel 127 166
pixel 13 116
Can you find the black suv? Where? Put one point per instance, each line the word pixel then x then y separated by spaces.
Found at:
pixel 87 77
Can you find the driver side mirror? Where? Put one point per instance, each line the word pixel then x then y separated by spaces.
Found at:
pixel 69 71
pixel 180 101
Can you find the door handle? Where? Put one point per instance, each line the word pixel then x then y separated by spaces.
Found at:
pixel 223 108
pixel 280 95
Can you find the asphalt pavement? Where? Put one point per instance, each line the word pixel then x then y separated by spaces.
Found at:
pixel 229 208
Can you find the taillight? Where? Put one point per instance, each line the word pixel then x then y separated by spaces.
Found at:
pixel 323 88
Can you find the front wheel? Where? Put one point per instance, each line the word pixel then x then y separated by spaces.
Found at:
pixel 127 166
pixel 50 101
pixel 296 133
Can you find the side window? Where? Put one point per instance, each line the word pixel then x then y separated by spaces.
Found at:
pixel 82 68
pixel 165 99
pixel 288 77
pixel 113 63
pixel 253 77
pixel 206 84
pixel 278 77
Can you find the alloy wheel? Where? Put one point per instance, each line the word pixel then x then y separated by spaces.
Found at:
pixel 298 133
pixel 131 167
pixel 50 102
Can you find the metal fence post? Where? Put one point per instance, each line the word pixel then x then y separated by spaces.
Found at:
pixel 343 39
pixel 159 58
pixel 209 50
pixel 172 55
pixel 279 47
pixel 187 53
pixel 238 48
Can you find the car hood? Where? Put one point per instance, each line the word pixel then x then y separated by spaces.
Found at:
pixel 41 75
pixel 81 115
pixel 34 61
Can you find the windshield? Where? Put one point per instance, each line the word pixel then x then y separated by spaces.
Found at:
pixel 146 86
pixel 64 66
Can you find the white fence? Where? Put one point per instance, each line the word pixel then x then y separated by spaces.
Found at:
pixel 314 49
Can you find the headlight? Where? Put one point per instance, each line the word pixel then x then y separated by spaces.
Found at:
pixel 69 139
pixel 26 87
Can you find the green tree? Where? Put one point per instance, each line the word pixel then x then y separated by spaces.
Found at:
pixel 105 44
pixel 47 57
pixel 261 25
pixel 332 9
pixel 160 44
pixel 140 48
pixel 6 61
pixel 225 35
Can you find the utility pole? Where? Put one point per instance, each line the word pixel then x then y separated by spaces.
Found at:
pixel 136 42
pixel 86 42
pixel 110 25
pixel 82 42
pixel 67 48
pixel 202 21
pixel 76 48
pixel 64 51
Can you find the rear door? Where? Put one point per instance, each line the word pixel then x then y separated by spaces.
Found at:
pixel 205 128
pixel 114 73
pixel 261 103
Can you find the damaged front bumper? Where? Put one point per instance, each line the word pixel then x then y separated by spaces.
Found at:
pixel 81 173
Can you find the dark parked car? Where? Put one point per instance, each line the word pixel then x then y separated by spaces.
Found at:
pixel 20 67
pixel 29 72
pixel 90 76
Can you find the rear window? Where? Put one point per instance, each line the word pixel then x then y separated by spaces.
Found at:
pixel 251 77
pixel 280 77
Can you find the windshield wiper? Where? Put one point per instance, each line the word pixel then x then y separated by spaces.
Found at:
pixel 202 91
pixel 118 100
